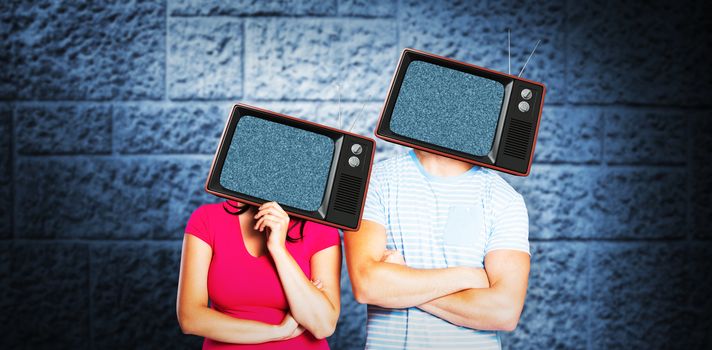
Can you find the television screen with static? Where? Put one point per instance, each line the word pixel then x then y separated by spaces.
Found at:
pixel 313 171
pixel 463 111
pixel 277 162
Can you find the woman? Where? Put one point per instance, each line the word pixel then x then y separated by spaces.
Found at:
pixel 273 283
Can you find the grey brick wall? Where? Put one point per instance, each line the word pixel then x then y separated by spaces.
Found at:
pixel 110 112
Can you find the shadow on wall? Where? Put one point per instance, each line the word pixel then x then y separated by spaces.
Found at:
pixel 109 114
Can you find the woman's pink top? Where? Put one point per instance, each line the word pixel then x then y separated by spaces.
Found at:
pixel 246 287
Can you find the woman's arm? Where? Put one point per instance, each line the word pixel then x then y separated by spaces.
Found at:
pixel 194 315
pixel 316 309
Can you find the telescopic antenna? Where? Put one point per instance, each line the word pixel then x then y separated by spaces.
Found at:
pixel 509 52
pixel 338 88
pixel 528 58
pixel 359 113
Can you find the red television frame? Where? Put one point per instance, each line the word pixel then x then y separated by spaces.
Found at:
pixel 514 149
pixel 342 177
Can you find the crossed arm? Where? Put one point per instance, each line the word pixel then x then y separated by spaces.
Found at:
pixel 307 311
pixel 489 299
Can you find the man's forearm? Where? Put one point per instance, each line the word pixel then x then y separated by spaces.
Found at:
pixel 477 308
pixel 457 308
pixel 398 286
pixel 497 307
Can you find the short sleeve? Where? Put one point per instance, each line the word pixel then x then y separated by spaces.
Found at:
pixel 511 227
pixel 321 237
pixel 198 225
pixel 374 209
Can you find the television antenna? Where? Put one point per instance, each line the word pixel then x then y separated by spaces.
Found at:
pixel 338 89
pixel 353 123
pixel 509 51
pixel 509 54
pixel 528 58
pixel 357 117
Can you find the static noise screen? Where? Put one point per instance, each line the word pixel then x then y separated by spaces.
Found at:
pixel 277 162
pixel 448 108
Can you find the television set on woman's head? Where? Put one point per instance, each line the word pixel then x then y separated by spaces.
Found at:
pixel 313 171
pixel 463 111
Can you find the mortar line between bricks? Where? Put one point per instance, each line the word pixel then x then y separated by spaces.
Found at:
pixel 681 238
pixel 129 156
pixel 123 240
pixel 169 155
pixel 197 156
pixel 335 16
pixel 167 101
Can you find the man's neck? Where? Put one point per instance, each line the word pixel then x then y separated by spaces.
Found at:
pixel 441 166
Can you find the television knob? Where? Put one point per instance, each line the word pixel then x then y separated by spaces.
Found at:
pixel 527 94
pixel 523 107
pixel 354 162
pixel 356 149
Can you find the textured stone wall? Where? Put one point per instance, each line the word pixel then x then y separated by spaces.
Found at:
pixel 110 112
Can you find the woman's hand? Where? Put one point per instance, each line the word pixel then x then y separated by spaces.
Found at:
pixel 271 216
pixel 317 283
pixel 289 328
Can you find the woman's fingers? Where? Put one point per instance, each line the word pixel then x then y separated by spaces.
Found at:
pixel 297 331
pixel 289 322
pixel 264 222
pixel 272 211
pixel 272 205
pixel 259 225
pixel 317 283
pixel 277 216
pixel 276 206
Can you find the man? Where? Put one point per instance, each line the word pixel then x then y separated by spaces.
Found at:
pixel 442 255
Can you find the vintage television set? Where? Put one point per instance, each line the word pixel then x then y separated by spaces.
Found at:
pixel 463 111
pixel 313 171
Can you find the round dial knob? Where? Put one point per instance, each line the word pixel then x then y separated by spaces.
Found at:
pixel 354 162
pixel 527 94
pixel 356 149
pixel 523 107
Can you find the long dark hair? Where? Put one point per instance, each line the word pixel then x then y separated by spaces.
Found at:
pixel 239 210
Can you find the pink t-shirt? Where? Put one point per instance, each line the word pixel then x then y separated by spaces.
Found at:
pixel 246 287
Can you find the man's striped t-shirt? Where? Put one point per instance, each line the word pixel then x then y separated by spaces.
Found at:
pixel 437 222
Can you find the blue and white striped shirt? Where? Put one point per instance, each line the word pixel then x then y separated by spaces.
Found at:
pixel 438 222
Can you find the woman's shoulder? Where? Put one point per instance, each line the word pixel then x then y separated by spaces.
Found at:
pixel 320 236
pixel 212 208
pixel 317 229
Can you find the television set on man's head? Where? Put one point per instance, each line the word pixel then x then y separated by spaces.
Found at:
pixel 463 111
pixel 313 171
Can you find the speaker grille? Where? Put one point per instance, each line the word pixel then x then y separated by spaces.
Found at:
pixel 518 136
pixel 348 194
